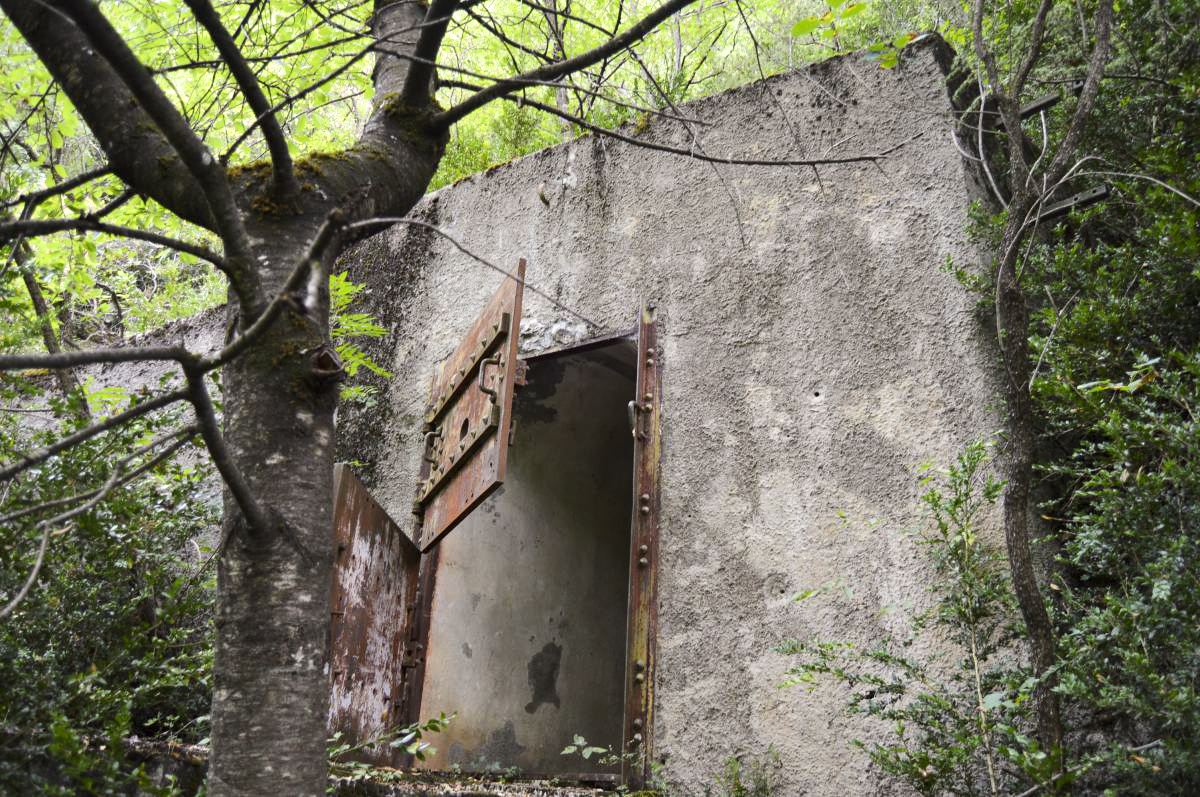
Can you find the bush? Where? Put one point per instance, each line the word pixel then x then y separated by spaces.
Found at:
pixel 113 640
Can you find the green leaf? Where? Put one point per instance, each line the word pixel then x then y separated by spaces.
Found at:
pixel 806 26
pixel 993 701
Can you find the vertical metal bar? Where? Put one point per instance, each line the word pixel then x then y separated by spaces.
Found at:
pixel 417 634
pixel 643 558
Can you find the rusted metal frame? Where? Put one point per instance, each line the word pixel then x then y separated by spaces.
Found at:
pixel 466 454
pixel 642 630
pixel 417 635
pixel 374 583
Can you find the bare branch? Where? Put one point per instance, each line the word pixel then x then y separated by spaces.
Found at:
pixel 262 59
pixel 185 433
pixel 333 74
pixel 137 150
pixel 258 517
pixel 552 84
pixel 281 157
pixel 37 227
pixel 42 454
pixel 1087 96
pixel 565 67
pixel 72 359
pixel 191 150
pixel 33 574
pixel 1129 176
pixel 420 74
pixel 712 159
pixel 984 54
pixel 70 184
pixel 375 224
pixel 1033 50
pixel 96 497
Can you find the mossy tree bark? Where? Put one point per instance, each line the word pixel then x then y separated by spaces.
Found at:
pixel 272 619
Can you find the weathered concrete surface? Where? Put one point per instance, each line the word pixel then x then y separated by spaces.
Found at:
pixel 813 352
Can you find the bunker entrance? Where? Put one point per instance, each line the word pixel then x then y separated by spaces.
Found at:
pixel 528 616
pixel 524 600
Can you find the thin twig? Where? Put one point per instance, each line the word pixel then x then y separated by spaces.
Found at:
pixel 186 432
pixel 40 455
pixel 712 159
pixel 33 574
pixel 565 67
pixel 277 145
pixel 38 227
pixel 98 495
pixel 1080 767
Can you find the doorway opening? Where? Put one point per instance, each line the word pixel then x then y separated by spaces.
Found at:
pixel 528 615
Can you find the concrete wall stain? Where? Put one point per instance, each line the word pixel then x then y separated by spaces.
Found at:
pixel 543 677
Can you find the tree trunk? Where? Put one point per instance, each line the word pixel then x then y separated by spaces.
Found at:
pixel 1013 327
pixel 271 671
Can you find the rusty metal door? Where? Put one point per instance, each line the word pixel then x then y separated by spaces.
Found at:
pixel 374 598
pixel 645 416
pixel 469 416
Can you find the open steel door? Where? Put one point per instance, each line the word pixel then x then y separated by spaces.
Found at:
pixel 645 418
pixel 469 416
pixel 374 599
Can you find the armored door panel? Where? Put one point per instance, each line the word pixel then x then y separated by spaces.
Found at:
pixel 645 420
pixel 374 596
pixel 469 415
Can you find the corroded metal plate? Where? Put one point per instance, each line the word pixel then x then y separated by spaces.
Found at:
pixel 645 416
pixel 374 586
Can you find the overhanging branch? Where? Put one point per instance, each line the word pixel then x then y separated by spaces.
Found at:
pixel 562 68
pixel 204 168
pixel 870 158
pixel 137 150
pixel 281 157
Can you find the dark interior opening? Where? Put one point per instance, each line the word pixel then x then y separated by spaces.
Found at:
pixel 529 610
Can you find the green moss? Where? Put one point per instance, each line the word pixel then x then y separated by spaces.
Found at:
pixel 267 206
pixel 259 170
pixel 314 164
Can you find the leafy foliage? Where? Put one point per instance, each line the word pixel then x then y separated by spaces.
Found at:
pixel 756 776
pixel 959 728
pixel 113 641
pixel 345 764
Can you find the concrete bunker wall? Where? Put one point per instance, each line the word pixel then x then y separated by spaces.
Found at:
pixel 813 352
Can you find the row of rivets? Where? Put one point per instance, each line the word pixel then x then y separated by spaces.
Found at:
pixel 463 371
